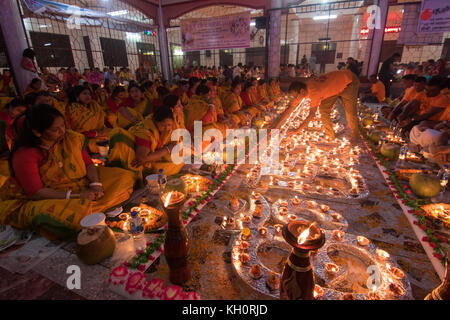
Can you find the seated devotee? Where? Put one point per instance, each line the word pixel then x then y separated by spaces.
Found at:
pixel 99 94
pixel 146 147
pixel 377 91
pixel 234 106
pixel 273 90
pixel 323 92
pixel 427 133
pixel 34 86
pixel 6 84
pixel 44 97
pixel 181 91
pixel 446 88
pixel 8 116
pixel 441 154
pixel 433 108
pixel 162 93
pixel 262 91
pixel 224 89
pixel 121 108
pixel 416 92
pixel 174 103
pixel 250 99
pixel 194 82
pixel 141 105
pixel 222 117
pixel 201 108
pixel 85 116
pixel 59 184
pixel 51 80
pixel 149 90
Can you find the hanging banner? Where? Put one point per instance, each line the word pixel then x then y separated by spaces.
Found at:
pixel 83 16
pixel 434 16
pixel 225 32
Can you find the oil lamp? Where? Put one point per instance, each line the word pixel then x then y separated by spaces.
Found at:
pixel 297 279
pixel 176 242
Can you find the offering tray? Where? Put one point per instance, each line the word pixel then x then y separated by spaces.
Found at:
pixel 270 253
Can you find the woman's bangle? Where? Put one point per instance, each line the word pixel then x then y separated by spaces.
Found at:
pixel 68 193
pixel 168 150
pixel 96 184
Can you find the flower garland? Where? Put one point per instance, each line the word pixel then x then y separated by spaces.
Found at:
pixel 403 193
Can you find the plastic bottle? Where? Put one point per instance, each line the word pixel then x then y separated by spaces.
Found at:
pixel 402 155
pixel 382 138
pixel 444 175
pixel 162 180
pixel 136 226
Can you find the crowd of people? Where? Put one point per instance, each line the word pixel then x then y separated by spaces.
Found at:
pixel 50 173
pixel 422 114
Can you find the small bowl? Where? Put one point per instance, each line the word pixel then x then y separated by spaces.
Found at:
pixel 362 241
pixel 94 219
pixel 331 268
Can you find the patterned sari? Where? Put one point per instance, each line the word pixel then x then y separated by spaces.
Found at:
pixel 65 170
pixel 233 105
pixel 121 121
pixel 122 151
pixel 81 118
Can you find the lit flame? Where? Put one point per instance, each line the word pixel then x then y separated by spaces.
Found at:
pixel 166 203
pixel 388 266
pixel 304 235
pixel 374 289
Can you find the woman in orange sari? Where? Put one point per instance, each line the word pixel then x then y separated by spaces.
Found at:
pixel 85 116
pixel 59 184
pixel 250 100
pixel 122 108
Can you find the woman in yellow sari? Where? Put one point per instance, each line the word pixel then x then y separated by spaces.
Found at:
pixel 234 105
pixel 262 91
pixel 201 108
pixel 175 104
pixel 141 105
pixel 85 116
pixel 34 86
pixel 99 94
pixel 224 90
pixel 273 90
pixel 149 90
pixel 146 147
pixel 60 184
pixel 121 107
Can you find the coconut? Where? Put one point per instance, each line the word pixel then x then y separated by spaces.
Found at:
pixel 368 121
pixel 375 136
pixel 390 150
pixel 425 185
pixel 95 244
